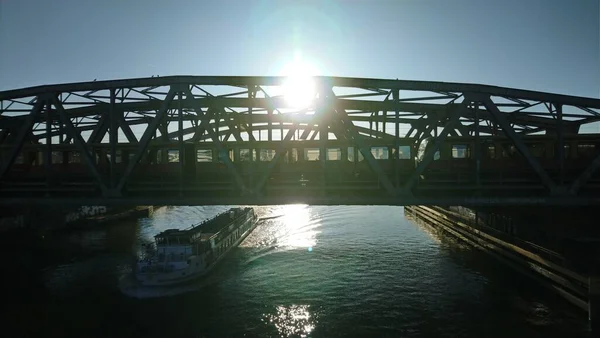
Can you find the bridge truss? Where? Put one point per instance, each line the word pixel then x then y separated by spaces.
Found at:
pixel 132 120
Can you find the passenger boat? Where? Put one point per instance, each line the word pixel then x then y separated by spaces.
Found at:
pixel 182 255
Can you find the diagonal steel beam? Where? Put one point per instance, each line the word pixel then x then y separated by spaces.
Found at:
pixel 585 175
pixel 512 135
pixel 79 143
pixel 279 152
pixel 145 140
pixel 454 117
pixel 346 124
pixel 126 128
pixel 233 128
pixel 99 130
pixel 222 152
pixel 199 129
pixel 23 132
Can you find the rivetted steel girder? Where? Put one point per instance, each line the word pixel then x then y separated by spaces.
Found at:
pixel 245 81
pixel 156 110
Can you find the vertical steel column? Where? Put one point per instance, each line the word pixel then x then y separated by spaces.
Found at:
pixel 323 138
pixel 270 126
pixel 113 138
pixel 180 136
pixel 396 98
pixel 561 143
pixel 61 140
pixel 251 95
pixel 48 146
pixel 477 149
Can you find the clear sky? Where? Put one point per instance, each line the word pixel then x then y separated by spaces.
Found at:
pixel 546 45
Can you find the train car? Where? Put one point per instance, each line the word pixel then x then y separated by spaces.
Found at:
pixel 500 161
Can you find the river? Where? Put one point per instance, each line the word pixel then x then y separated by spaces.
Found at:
pixel 314 272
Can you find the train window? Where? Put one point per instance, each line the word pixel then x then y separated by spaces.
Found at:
pixel 537 149
pixel 311 154
pixel 204 155
pixel 57 157
pixel 380 153
pixel 351 154
pixel 509 151
pixel 173 155
pixel 75 157
pixel 334 154
pixel 118 158
pixel 586 150
pixel 294 155
pixel 267 155
pixel 461 151
pixel 244 155
pixel 567 151
pixel 491 151
pixel 223 154
pixel 291 156
pixel 20 159
pixel 404 152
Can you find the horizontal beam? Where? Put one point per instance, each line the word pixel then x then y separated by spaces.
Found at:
pixel 159 199
pixel 245 81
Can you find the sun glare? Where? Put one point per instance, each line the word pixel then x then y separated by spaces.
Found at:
pixel 299 88
pixel 299 91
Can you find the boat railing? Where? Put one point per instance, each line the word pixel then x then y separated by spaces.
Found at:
pixel 194 226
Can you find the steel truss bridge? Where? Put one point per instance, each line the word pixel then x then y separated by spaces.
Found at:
pixel 237 140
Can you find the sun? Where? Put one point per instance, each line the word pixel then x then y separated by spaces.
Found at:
pixel 299 89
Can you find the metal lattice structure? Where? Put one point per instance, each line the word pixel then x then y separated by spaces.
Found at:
pixel 110 142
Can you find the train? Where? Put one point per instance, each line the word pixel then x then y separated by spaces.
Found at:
pixel 300 161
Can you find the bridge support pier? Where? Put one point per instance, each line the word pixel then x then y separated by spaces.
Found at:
pixel 556 247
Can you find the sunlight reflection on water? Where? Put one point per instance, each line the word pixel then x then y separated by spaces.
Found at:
pixel 292 321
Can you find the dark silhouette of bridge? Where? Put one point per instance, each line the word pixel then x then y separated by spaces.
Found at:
pixel 237 140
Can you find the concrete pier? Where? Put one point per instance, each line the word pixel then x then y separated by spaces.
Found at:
pixel 509 239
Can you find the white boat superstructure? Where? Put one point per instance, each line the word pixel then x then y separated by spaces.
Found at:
pixel 182 255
